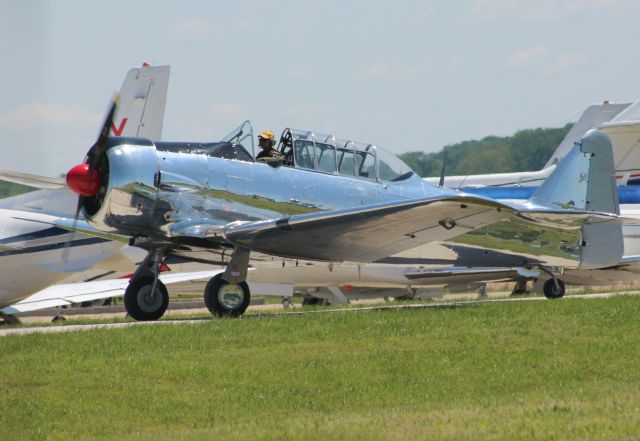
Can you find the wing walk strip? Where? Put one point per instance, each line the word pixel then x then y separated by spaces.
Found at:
pixel 457 304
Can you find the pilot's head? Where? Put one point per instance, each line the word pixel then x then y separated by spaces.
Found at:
pixel 266 140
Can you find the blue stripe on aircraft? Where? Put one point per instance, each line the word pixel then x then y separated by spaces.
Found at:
pixel 626 194
pixel 40 234
pixel 54 246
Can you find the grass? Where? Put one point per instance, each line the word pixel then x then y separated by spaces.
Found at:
pixel 526 370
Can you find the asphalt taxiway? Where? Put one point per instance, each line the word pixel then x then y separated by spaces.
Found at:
pixel 271 311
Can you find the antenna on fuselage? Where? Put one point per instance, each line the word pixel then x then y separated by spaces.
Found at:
pixel 444 168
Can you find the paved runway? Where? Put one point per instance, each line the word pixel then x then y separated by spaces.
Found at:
pixel 179 321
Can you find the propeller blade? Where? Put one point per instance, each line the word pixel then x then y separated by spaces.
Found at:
pixel 67 245
pixel 98 148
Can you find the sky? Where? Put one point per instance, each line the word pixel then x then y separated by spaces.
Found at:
pixel 406 75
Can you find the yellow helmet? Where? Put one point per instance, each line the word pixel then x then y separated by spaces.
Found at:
pixel 267 134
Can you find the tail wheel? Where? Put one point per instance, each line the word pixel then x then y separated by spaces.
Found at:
pixel 553 291
pixel 141 303
pixel 226 299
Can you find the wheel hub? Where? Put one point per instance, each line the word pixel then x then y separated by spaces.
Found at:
pixel 231 295
pixel 147 300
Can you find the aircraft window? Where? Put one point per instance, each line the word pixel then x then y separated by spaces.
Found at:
pixel 326 155
pixel 304 154
pixel 345 162
pixel 365 165
pixel 242 135
pixel 392 168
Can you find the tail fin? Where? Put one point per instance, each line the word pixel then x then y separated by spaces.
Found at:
pixel 593 116
pixel 143 97
pixel 584 179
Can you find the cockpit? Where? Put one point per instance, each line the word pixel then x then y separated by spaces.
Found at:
pixel 327 154
pixel 308 150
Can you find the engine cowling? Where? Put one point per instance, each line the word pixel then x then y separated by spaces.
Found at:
pixel 118 194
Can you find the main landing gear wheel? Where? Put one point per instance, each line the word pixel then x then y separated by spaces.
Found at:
pixel 141 303
pixel 551 291
pixel 226 299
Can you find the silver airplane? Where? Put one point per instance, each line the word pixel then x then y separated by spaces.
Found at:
pixel 331 200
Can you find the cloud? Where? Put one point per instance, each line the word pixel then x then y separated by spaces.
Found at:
pixel 377 70
pixel 424 17
pixel 38 114
pixel 244 25
pixel 528 57
pixel 540 58
pixel 229 110
pixel 392 69
pixel 567 61
pixel 302 72
pixel 307 112
pixel 456 63
pixel 195 28
pixel 545 9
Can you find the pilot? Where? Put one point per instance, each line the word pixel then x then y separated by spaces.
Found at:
pixel 268 154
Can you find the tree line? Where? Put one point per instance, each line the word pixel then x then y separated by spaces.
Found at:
pixel 526 150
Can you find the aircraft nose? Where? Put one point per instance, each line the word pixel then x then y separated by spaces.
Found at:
pixel 83 180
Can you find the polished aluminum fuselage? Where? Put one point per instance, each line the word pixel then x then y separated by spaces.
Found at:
pixel 155 190
pixel 165 198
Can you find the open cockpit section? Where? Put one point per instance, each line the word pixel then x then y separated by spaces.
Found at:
pixel 324 153
pixel 236 145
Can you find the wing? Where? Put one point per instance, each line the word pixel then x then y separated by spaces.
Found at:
pixel 68 294
pixel 374 232
pixel 30 180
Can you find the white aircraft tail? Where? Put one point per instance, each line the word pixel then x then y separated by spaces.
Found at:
pixel 143 97
pixel 592 117
pixel 624 131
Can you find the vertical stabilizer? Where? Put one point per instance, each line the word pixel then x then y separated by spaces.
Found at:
pixel 584 179
pixel 592 117
pixel 143 97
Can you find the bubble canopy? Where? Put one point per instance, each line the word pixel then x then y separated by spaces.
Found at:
pixel 325 153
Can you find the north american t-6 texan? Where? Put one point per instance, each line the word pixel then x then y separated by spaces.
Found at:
pixel 328 200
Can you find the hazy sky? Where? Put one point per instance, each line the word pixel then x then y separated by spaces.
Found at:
pixel 407 75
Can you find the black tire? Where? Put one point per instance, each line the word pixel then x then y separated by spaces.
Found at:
pixel 551 291
pixel 314 301
pixel 226 299
pixel 140 305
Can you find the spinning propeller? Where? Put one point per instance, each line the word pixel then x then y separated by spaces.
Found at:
pixel 84 179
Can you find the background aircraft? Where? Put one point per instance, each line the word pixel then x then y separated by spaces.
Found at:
pixel 33 253
pixel 620 121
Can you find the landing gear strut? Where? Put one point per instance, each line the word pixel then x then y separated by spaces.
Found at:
pixel 228 294
pixel 520 287
pixel 146 298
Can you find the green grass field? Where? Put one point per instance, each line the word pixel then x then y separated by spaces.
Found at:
pixel 529 370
